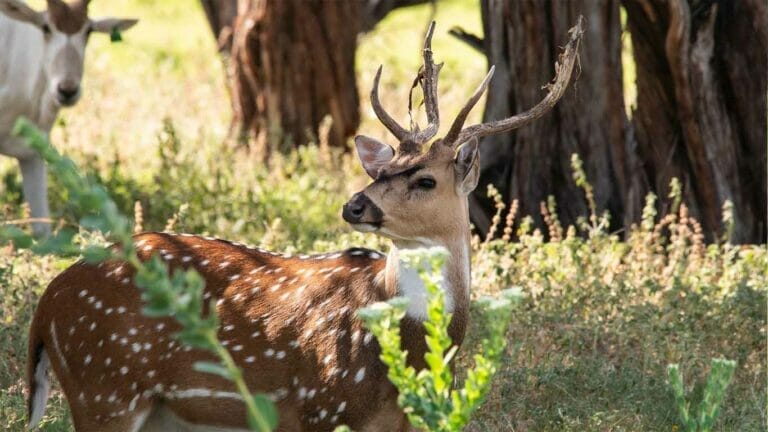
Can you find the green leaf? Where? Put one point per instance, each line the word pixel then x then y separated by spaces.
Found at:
pixel 212 368
pixel 266 409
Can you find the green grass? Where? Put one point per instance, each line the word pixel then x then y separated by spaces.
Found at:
pixel 589 346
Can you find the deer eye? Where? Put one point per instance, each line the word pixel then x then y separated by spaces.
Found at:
pixel 426 183
pixel 46 29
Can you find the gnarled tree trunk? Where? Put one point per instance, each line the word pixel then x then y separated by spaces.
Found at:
pixel 701 107
pixel 700 116
pixel 293 64
pixel 523 39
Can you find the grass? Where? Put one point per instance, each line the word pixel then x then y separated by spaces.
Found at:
pixel 602 318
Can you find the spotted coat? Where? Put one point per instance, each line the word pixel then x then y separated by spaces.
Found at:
pixel 288 321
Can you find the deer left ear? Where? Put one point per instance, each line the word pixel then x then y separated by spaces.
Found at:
pixel 467 166
pixel 374 154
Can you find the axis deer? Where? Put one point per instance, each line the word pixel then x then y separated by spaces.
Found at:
pixel 41 67
pixel 289 321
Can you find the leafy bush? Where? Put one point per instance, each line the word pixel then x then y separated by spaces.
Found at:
pixel 427 396
pixel 702 419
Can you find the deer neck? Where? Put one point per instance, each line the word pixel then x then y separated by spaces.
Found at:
pixel 402 280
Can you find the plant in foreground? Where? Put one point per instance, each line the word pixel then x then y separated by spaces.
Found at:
pixel 703 418
pixel 178 295
pixel 427 396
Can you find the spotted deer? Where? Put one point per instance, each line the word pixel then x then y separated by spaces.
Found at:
pixel 288 320
pixel 41 66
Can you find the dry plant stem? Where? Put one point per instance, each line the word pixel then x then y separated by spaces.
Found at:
pixel 26 221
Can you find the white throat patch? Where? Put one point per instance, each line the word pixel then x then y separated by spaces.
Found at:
pixel 412 287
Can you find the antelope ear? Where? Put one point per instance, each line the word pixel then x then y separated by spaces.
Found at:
pixel 18 10
pixel 373 154
pixel 467 166
pixel 113 25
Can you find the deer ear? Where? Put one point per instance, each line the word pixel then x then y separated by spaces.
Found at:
pixel 467 166
pixel 18 10
pixel 373 154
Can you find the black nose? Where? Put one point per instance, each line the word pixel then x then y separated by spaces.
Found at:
pixel 354 209
pixel 67 92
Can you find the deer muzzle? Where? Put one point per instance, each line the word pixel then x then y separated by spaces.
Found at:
pixel 362 213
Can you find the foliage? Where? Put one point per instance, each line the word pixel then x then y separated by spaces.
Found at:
pixel 178 295
pixel 703 418
pixel 426 396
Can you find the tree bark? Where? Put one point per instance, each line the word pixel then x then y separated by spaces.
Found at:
pixel 523 39
pixel 701 107
pixel 292 65
pixel 700 115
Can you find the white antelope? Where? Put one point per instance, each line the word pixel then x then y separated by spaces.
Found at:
pixel 288 321
pixel 41 66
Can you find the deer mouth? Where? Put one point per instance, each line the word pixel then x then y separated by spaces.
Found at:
pixel 366 227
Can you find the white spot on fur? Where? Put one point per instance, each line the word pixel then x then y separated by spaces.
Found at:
pixel 360 375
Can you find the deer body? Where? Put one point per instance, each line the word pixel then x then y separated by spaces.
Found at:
pixel 288 321
pixel 40 71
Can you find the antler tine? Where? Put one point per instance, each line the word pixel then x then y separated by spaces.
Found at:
pixel 458 123
pixel 398 131
pixel 429 87
pixel 564 68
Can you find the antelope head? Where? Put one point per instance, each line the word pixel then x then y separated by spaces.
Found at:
pixel 419 197
pixel 65 29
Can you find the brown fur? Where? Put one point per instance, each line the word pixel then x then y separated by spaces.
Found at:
pixel 68 17
pixel 98 339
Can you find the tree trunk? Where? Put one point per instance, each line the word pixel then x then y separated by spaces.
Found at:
pixel 221 16
pixel 523 40
pixel 700 116
pixel 293 64
pixel 701 107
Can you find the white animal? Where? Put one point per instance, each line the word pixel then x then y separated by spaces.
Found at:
pixel 41 66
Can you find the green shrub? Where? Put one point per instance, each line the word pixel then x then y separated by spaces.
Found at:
pixel 426 396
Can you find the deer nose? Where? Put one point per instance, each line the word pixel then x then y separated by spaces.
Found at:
pixel 360 209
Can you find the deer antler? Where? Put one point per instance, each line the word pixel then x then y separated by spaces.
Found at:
pixel 428 79
pixel 563 67
pixel 398 131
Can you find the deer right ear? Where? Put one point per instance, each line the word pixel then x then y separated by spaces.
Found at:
pixel 467 164
pixel 18 10
pixel 373 154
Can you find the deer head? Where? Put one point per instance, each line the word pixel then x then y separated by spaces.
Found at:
pixel 420 197
pixel 65 29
